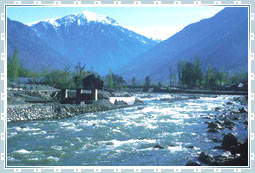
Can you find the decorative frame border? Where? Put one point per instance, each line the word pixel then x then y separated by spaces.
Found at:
pixel 127 3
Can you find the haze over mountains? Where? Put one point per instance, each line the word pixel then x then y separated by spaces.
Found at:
pixel 99 41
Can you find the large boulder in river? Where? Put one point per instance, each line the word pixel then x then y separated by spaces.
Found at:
pixel 244 149
pixel 229 140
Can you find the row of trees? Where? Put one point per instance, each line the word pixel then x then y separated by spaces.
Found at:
pixel 57 78
pixel 190 74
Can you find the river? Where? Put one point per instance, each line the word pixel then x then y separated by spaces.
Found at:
pixel 122 137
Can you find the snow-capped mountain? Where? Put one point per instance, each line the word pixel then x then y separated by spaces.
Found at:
pixel 81 18
pixel 95 40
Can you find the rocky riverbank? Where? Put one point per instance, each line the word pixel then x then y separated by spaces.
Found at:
pixel 226 119
pixel 19 109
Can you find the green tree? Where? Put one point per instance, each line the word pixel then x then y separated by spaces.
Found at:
pixel 209 76
pixel 67 75
pixel 159 85
pixel 147 81
pixel 110 79
pixel 13 67
pixel 170 76
pixel 190 73
pixel 180 67
pixel 24 72
pixel 175 80
pixel 79 75
pixel 133 80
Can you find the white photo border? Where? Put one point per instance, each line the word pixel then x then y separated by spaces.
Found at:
pixel 250 4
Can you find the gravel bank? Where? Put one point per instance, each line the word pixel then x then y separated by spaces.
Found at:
pixel 20 107
pixel 58 111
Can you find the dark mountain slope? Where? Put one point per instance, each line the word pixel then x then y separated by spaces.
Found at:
pixel 221 41
pixel 31 49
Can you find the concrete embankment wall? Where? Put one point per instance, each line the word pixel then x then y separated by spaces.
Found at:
pixel 128 100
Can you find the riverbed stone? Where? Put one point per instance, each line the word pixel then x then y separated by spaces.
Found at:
pixel 242 110
pixel 228 122
pixel 213 131
pixel 193 163
pixel 217 109
pixel 229 140
pixel 205 158
pixel 158 146
pixel 244 149
pixel 214 125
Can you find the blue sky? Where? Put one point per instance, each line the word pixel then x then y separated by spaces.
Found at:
pixel 154 22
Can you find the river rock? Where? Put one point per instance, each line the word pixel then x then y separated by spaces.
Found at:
pixel 138 102
pixel 205 158
pixel 213 125
pixel 217 109
pixel 235 118
pixel 219 122
pixel 158 146
pixel 213 131
pixel 221 160
pixel 234 149
pixel 193 163
pixel 244 149
pixel 228 122
pixel 229 140
pixel 218 147
pixel 242 110
pixel 190 146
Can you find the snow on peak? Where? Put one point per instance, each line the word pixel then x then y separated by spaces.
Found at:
pixel 81 18
pixel 93 17
pixel 51 21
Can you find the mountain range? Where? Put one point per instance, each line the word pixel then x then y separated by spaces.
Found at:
pixel 102 43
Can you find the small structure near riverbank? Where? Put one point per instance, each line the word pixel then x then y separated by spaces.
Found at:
pixel 92 83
